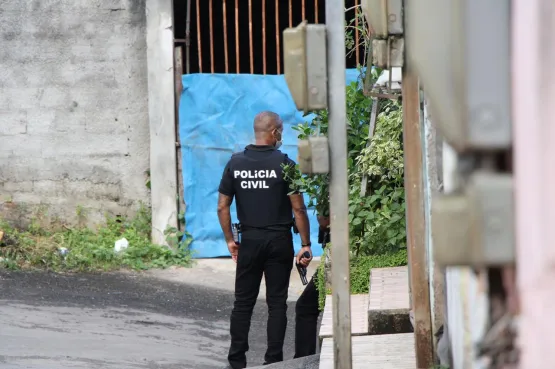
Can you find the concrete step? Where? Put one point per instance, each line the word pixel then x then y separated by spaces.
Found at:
pixel 308 362
pixel 389 301
pixel 388 351
pixel 359 317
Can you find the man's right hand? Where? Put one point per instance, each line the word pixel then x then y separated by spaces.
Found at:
pixel 301 259
pixel 233 249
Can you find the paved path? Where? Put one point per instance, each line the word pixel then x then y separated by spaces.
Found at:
pixel 120 321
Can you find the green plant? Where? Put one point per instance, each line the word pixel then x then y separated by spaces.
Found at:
pixel 82 249
pixel 376 220
pixel 178 238
pixel 358 115
pixel 360 272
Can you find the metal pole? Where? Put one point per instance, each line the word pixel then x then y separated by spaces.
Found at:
pixel 188 39
pixel 337 133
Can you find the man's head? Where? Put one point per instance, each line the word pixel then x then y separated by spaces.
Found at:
pixel 268 129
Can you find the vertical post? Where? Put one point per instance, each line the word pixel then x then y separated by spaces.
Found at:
pixel 432 186
pixel 237 56
pixel 290 14
pixel 226 56
pixel 188 39
pixel 416 224
pixel 357 46
pixel 264 36
pixel 337 131
pixel 211 22
pixel 316 10
pixel 199 43
pixel 251 48
pixel 161 115
pixel 278 33
pixel 178 67
pixel 533 56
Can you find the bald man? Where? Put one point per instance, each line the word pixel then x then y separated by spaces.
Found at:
pixel 265 208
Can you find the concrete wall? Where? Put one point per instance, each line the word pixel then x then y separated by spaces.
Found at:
pixel 74 126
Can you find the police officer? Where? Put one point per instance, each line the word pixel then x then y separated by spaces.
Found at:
pixel 306 308
pixel 265 211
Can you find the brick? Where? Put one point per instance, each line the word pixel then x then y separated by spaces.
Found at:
pixel 24 186
pixel 13 123
pixel 40 121
pixel 76 145
pixel 22 145
pixel 19 98
pixel 50 97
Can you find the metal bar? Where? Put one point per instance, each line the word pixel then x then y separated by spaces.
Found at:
pixel 199 43
pixel 534 134
pixel 237 64
pixel 303 10
pixel 337 131
pixel 250 37
pixel 316 10
pixel 371 129
pixel 416 225
pixel 211 36
pixel 226 56
pixel 278 46
pixel 357 46
pixel 263 36
pixel 178 68
pixel 188 39
pixel 290 13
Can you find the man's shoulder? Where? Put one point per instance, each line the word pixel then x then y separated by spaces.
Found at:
pixel 287 160
pixel 237 155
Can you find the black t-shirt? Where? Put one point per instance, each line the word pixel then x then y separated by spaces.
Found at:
pixel 255 178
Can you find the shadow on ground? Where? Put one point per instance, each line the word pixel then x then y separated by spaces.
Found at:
pixel 120 321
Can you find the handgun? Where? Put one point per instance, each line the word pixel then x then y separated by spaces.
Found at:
pixel 236 230
pixel 301 269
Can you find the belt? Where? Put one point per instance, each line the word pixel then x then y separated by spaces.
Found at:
pixel 277 228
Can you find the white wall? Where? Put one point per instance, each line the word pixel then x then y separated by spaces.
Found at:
pixel 74 126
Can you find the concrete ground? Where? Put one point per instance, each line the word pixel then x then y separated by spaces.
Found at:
pixel 164 319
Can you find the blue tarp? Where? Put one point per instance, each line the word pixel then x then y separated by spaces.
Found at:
pixel 215 120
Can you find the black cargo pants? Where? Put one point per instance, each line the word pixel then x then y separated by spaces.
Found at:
pixel 269 253
pixel 306 320
pixel 307 311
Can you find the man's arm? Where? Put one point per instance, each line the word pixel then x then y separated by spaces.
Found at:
pixel 225 198
pixel 224 216
pixel 301 217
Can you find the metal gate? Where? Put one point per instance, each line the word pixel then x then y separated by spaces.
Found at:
pixel 233 36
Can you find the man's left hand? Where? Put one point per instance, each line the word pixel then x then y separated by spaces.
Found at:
pixel 301 259
pixel 233 250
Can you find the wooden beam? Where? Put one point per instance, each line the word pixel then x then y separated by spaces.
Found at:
pixel 416 221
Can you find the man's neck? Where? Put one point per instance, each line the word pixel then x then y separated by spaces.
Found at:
pixel 262 143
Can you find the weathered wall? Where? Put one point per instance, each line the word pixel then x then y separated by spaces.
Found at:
pixel 74 128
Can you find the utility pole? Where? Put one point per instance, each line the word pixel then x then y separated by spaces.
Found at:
pixel 339 190
pixel 314 66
